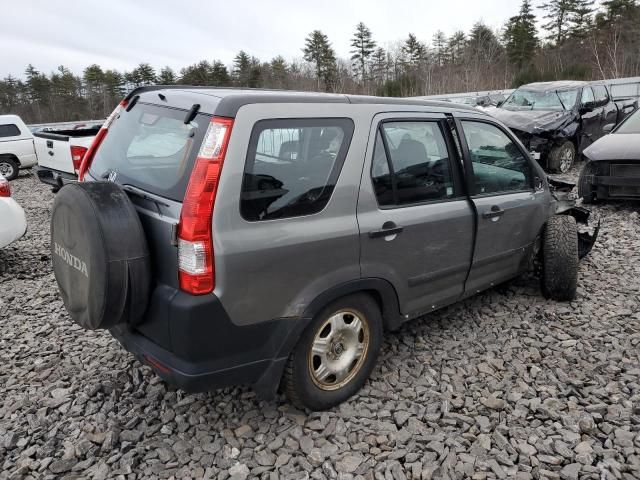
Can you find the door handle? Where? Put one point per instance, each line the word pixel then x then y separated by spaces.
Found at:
pixel 388 228
pixel 495 211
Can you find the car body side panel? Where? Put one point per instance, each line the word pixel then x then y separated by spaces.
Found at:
pixel 311 253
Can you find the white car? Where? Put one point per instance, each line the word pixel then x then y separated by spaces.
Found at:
pixel 17 150
pixel 13 222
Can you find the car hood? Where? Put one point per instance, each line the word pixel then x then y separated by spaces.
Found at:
pixel 616 146
pixel 532 121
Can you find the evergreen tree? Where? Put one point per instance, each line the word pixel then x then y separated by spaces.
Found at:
pixel 415 52
pixel 145 74
pixel 242 69
pixel 440 47
pixel 483 45
pixel 317 50
pixel 167 76
pixel 379 65
pixel 219 75
pixel 520 36
pixel 581 18
pixel 455 46
pixel 279 71
pixel 363 48
pixel 559 14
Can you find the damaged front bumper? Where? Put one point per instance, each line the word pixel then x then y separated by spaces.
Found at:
pixel 566 205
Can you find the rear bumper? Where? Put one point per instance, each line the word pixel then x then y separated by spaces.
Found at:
pixel 55 178
pixel 190 342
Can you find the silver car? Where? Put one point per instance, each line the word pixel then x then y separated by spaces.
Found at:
pixel 271 238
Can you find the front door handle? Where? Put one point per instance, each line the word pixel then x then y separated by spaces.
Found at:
pixel 388 228
pixel 495 211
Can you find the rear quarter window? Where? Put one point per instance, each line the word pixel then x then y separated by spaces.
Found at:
pixel 150 147
pixel 292 166
pixel 9 130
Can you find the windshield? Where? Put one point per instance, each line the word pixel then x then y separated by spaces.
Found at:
pixel 631 124
pixel 537 100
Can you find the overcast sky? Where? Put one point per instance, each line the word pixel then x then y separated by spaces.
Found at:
pixel 122 33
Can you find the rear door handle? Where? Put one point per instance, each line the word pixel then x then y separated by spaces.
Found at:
pixel 495 211
pixel 388 228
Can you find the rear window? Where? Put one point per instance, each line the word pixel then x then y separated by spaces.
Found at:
pixel 9 130
pixel 292 166
pixel 151 147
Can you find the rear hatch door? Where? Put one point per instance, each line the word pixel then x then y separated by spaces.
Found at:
pixel 150 151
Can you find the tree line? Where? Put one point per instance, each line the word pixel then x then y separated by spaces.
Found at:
pixel 577 40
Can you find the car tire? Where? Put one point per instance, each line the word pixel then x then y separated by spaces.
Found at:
pixel 9 168
pixel 559 258
pixel 325 368
pixel 562 157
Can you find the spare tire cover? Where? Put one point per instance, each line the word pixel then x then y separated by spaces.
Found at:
pixel 100 255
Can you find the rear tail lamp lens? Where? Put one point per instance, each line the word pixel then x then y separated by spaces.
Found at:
pixel 77 154
pixel 195 236
pixel 5 189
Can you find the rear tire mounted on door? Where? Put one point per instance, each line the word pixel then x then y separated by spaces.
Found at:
pixel 559 258
pixel 99 254
pixel 335 354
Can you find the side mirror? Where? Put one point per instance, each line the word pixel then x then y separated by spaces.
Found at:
pixel 608 128
pixel 499 104
pixel 538 184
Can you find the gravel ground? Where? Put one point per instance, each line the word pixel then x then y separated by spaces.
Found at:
pixel 504 385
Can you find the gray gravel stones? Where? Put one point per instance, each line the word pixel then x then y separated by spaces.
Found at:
pixel 504 385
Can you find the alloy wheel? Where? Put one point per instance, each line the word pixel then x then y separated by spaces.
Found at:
pixel 339 349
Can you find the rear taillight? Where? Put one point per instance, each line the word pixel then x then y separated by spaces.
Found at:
pixel 5 189
pixel 77 154
pixel 88 157
pixel 195 236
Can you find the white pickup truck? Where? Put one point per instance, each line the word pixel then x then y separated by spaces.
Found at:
pixel 58 153
pixel 16 146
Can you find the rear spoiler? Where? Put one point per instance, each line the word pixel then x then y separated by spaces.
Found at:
pixel 153 88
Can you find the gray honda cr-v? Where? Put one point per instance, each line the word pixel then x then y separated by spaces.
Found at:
pixel 271 238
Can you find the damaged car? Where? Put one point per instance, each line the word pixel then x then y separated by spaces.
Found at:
pixel 556 121
pixel 612 170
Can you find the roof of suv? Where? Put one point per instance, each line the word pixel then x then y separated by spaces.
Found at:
pixel 227 101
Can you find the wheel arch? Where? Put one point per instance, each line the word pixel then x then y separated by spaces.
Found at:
pixel 11 156
pixel 381 290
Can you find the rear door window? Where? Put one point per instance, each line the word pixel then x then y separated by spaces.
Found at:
pixel 411 164
pixel 9 130
pixel 151 147
pixel 292 166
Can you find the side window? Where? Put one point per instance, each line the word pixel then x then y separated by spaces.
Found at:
pixel 498 164
pixel 587 95
pixel 9 130
pixel 411 164
pixel 292 166
pixel 601 94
